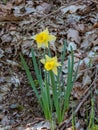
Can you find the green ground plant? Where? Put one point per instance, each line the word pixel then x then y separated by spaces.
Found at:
pixel 54 94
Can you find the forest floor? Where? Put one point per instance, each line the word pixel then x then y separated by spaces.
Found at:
pixel 75 21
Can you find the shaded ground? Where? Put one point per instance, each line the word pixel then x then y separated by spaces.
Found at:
pixel 75 21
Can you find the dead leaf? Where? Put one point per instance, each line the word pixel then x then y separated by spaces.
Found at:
pixel 80 27
pixel 18 2
pixel 6 38
pixel 29 10
pixel 40 126
pixel 78 90
pixel 15 80
pixel 95 59
pixel 72 8
pixel 44 8
pixel 73 35
pixel 95 25
pixel 22 11
pixel 11 62
pixel 6 14
pixel 95 42
pixel 10 17
pixel 86 80
pixel 89 39
pixel 5 8
pixel 26 46
pixel 87 9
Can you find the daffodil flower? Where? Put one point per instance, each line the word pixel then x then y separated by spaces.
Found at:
pixel 43 38
pixel 51 64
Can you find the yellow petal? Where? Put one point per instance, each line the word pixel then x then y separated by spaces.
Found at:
pixel 42 61
pixel 58 64
pixel 46 31
pixel 52 38
pixel 55 58
pixel 46 44
pixel 39 45
pixel 48 58
pixel 55 70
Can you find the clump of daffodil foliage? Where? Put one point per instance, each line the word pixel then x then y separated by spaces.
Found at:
pixel 54 94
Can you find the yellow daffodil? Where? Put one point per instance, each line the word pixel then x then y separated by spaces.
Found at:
pixel 43 38
pixel 51 64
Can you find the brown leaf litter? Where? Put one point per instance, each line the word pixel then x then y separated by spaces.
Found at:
pixel 76 22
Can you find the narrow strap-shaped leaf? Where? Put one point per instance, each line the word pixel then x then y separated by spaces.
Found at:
pixel 55 97
pixel 39 77
pixel 60 68
pixel 69 82
pixel 63 53
pixel 47 84
pixel 29 76
pixel 49 52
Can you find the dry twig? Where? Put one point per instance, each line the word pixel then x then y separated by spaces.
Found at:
pixel 77 2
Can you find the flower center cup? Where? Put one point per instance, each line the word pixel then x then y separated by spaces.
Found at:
pixel 41 38
pixel 49 65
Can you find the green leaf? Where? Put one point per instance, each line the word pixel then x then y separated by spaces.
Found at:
pixel 29 76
